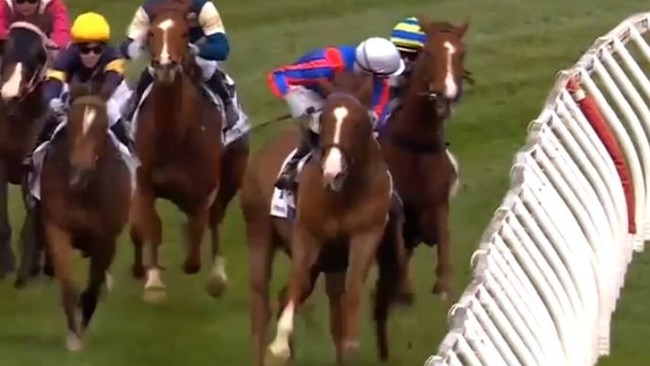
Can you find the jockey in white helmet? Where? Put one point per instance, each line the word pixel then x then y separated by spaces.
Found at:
pixel 295 83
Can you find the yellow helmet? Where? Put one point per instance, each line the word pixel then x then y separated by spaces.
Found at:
pixel 90 27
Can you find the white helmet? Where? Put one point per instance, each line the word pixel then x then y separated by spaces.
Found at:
pixel 379 56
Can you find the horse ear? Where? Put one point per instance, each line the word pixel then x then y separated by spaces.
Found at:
pixel 463 29
pixel 78 90
pixel 425 23
pixel 364 92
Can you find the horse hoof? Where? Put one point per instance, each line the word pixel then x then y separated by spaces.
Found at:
pixel 138 272
pixel 405 298
pixel 216 285
pixel 191 268
pixel 442 291
pixel 74 343
pixel 350 352
pixel 282 358
pixel 154 296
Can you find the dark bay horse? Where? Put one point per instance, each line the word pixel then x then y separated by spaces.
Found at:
pixel 413 144
pixel 178 141
pixel 85 194
pixel 342 209
pixel 25 60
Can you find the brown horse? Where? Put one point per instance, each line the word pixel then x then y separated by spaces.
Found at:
pixel 413 144
pixel 342 212
pixel 85 194
pixel 178 131
pixel 25 60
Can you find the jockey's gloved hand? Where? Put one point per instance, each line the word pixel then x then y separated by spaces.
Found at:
pixel 57 106
pixel 134 50
pixel 194 49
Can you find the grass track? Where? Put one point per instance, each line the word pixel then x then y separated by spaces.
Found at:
pixel 515 48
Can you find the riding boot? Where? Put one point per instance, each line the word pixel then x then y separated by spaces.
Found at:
pixel 287 178
pixel 44 135
pixel 143 82
pixel 217 83
pixel 120 130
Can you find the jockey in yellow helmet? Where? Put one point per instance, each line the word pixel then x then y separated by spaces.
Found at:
pixel 409 38
pixel 89 60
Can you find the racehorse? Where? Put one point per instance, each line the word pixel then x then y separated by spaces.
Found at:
pixel 342 212
pixel 413 144
pixel 85 194
pixel 25 60
pixel 178 130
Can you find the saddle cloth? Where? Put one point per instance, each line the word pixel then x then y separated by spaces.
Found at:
pixel 228 136
pixel 38 158
pixel 283 203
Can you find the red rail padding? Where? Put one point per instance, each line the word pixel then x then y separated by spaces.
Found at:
pixel 592 113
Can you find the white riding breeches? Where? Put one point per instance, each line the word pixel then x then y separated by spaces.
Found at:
pixel 208 67
pixel 115 103
pixel 300 99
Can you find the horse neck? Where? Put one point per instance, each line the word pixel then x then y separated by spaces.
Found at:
pixel 417 120
pixel 173 107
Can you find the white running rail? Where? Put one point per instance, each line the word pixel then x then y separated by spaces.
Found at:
pixel 552 262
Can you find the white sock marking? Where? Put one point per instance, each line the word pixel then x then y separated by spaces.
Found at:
pixel 451 88
pixel 89 118
pixel 11 88
pixel 333 163
pixel 164 53
pixel 280 345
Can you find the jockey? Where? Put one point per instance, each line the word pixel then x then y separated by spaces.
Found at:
pixel 206 26
pixel 56 9
pixel 89 59
pixel 296 84
pixel 408 37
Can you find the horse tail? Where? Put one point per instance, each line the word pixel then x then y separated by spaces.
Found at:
pixel 455 185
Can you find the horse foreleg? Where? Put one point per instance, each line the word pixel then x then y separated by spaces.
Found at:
pixel 146 224
pixel 442 285
pixel 335 288
pixel 60 247
pixel 7 257
pixel 304 253
pixel 100 260
pixel 362 249
pixel 261 254
pixel 30 256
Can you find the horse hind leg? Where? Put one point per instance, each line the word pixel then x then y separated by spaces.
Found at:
pixel 137 269
pixel 60 244
pixel 7 257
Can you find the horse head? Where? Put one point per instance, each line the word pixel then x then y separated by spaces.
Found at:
pixel 439 69
pixel 24 58
pixel 169 40
pixel 87 131
pixel 346 129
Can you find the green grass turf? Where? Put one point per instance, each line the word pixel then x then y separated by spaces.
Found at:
pixel 515 48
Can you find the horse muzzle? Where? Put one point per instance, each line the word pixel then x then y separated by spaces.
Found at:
pixel 165 73
pixel 79 178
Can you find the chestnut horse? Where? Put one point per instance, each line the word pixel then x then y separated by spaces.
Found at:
pixel 178 141
pixel 25 60
pixel 413 144
pixel 85 194
pixel 342 212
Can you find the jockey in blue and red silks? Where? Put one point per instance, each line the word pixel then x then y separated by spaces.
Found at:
pixel 297 84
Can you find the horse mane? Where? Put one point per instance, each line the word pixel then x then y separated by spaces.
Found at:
pixel 357 84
